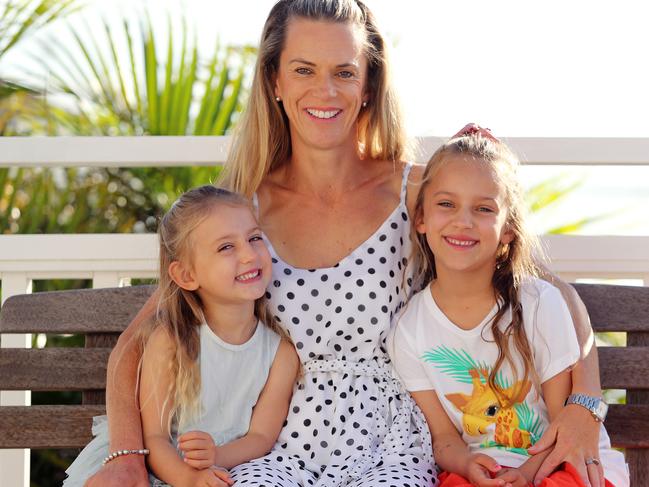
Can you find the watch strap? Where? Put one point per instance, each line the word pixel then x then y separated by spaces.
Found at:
pixel 596 405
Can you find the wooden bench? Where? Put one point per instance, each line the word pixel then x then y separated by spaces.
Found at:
pixel 101 314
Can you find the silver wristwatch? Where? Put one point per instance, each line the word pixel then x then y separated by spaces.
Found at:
pixel 596 405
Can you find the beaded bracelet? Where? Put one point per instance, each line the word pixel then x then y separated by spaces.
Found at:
pixel 119 453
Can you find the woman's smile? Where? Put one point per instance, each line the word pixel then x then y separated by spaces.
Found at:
pixel 323 113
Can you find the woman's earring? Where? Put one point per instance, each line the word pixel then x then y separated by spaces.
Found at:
pixel 364 104
pixel 278 99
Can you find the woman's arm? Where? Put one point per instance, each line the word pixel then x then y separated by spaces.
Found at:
pixel 573 435
pixel 123 409
pixel 449 450
pixel 266 422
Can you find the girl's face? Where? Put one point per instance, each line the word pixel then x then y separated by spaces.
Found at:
pixel 230 263
pixel 321 81
pixel 464 216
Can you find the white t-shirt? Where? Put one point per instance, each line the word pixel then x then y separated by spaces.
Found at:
pixel 429 352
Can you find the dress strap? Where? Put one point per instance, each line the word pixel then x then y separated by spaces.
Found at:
pixel 404 181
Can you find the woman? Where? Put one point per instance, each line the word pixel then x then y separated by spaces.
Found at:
pixel 320 149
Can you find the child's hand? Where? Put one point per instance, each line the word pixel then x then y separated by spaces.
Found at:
pixel 198 448
pixel 513 477
pixel 212 477
pixel 479 468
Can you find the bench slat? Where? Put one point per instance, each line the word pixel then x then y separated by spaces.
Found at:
pixel 628 425
pixel 623 367
pixel 110 310
pixel 78 311
pixel 616 308
pixel 53 369
pixel 47 426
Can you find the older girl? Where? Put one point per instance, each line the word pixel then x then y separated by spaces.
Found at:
pixel 486 347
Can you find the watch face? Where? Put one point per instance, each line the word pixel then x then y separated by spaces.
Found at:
pixel 600 410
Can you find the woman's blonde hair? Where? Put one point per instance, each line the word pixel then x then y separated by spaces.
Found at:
pixel 179 311
pixel 515 261
pixel 263 141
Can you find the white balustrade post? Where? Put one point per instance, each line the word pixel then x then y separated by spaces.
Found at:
pixel 106 279
pixel 14 463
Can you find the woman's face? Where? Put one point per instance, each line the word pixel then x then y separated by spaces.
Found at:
pixel 321 81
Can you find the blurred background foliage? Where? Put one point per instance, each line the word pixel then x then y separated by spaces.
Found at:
pixel 112 81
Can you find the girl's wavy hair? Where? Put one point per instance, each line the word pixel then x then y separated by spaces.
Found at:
pixel 179 311
pixel 515 262
pixel 263 140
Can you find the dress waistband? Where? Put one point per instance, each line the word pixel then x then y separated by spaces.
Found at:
pixel 369 369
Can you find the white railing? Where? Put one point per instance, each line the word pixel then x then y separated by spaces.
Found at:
pixel 205 151
pixel 111 260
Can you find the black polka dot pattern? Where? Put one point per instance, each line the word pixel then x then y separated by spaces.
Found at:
pixel 350 423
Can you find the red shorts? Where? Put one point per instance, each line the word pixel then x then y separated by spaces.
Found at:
pixel 567 477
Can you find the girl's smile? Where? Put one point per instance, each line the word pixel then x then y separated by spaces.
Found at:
pixel 460 241
pixel 250 276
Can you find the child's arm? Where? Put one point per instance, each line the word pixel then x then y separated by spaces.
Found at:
pixel 155 380
pixel 450 451
pixel 266 422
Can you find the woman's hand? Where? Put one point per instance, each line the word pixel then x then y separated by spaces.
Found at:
pixel 574 438
pixel 198 448
pixel 124 471
pixel 479 469
pixel 472 128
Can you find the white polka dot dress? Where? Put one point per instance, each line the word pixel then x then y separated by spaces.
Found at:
pixel 351 422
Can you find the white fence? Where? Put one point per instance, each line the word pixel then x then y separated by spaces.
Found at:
pixel 111 260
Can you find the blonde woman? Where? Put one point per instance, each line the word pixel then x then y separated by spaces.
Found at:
pixel 320 148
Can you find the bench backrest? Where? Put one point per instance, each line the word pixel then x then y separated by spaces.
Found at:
pixel 101 314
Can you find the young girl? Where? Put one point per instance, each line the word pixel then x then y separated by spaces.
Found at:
pixel 217 373
pixel 485 348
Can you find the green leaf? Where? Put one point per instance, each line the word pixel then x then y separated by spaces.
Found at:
pixel 151 76
pixel 187 89
pixel 165 97
pixel 224 116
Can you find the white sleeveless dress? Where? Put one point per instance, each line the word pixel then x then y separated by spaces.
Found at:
pixel 351 423
pixel 232 377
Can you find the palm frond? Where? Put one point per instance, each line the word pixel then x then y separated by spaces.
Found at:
pixel 20 18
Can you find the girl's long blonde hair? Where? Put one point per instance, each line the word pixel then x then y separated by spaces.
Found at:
pixel 179 311
pixel 263 142
pixel 515 262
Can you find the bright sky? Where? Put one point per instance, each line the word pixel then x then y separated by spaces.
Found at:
pixel 521 67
